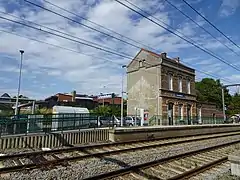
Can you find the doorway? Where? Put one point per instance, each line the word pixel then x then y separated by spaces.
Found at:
pixel 170 113
pixel 189 114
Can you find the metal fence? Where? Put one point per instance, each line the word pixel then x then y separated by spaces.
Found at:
pixel 25 124
pixel 39 123
pixel 176 120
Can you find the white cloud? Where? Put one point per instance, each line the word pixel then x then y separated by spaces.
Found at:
pixel 89 74
pixel 228 7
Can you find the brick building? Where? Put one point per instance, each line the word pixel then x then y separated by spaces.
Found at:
pixel 71 100
pixel 80 100
pixel 162 86
pixel 109 101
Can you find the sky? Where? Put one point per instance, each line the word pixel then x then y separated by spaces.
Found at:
pixel 52 64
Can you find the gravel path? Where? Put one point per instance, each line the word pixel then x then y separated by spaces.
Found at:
pixel 227 176
pixel 93 166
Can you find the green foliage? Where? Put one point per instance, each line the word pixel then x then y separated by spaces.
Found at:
pixel 6 113
pixel 108 111
pixel 234 107
pixel 43 111
pixel 210 90
pixel 102 110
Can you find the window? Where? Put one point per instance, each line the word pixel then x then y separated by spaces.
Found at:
pixel 170 82
pixel 180 84
pixel 180 111
pixel 188 86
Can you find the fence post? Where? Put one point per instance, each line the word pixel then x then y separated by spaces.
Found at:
pixel 80 118
pixel 1 130
pixel 62 122
pixel 74 125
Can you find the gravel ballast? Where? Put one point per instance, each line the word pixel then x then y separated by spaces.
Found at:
pixel 90 167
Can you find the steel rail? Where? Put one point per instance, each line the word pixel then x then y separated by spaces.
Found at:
pixel 199 169
pixel 40 164
pixel 87 147
pixel 138 167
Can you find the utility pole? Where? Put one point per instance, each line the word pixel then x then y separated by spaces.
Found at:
pixel 124 66
pixel 223 100
pixel 19 82
pixel 158 100
pixel 223 104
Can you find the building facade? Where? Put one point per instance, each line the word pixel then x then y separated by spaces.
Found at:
pixel 162 86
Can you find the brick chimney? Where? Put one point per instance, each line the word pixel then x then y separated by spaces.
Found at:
pixel 164 55
pixel 177 59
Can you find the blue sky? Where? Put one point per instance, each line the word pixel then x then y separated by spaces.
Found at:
pixel 48 69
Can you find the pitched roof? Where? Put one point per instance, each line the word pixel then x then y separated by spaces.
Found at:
pixel 162 55
pixel 6 95
pixel 150 52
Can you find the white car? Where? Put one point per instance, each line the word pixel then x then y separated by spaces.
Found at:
pixel 130 121
pixel 108 121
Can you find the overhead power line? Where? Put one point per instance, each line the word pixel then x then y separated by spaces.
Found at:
pixel 183 38
pixel 63 37
pixel 84 25
pixel 60 47
pixel 58 31
pixel 103 27
pixel 79 52
pixel 210 23
pixel 61 32
pixel 201 27
pixel 211 53
pixel 71 50
pixel 99 48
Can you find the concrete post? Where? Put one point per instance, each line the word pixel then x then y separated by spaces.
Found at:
pixel 223 104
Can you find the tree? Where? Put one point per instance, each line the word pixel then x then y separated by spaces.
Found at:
pixel 102 111
pixel 210 90
pixel 108 111
pixel 43 111
pixel 234 107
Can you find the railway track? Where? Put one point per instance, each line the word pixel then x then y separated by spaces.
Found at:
pixel 187 165
pixel 47 159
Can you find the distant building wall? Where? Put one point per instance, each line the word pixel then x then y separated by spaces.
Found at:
pixel 209 110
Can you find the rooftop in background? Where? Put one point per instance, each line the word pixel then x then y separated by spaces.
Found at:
pixel 67 97
pixel 6 95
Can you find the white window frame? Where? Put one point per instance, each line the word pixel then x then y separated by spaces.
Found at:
pixel 180 84
pixel 188 86
pixel 170 82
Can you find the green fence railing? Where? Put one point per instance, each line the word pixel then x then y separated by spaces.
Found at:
pixel 46 123
pixel 39 123
pixel 176 120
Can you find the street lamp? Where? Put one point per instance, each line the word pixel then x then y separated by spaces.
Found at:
pixel 124 66
pixel 19 82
